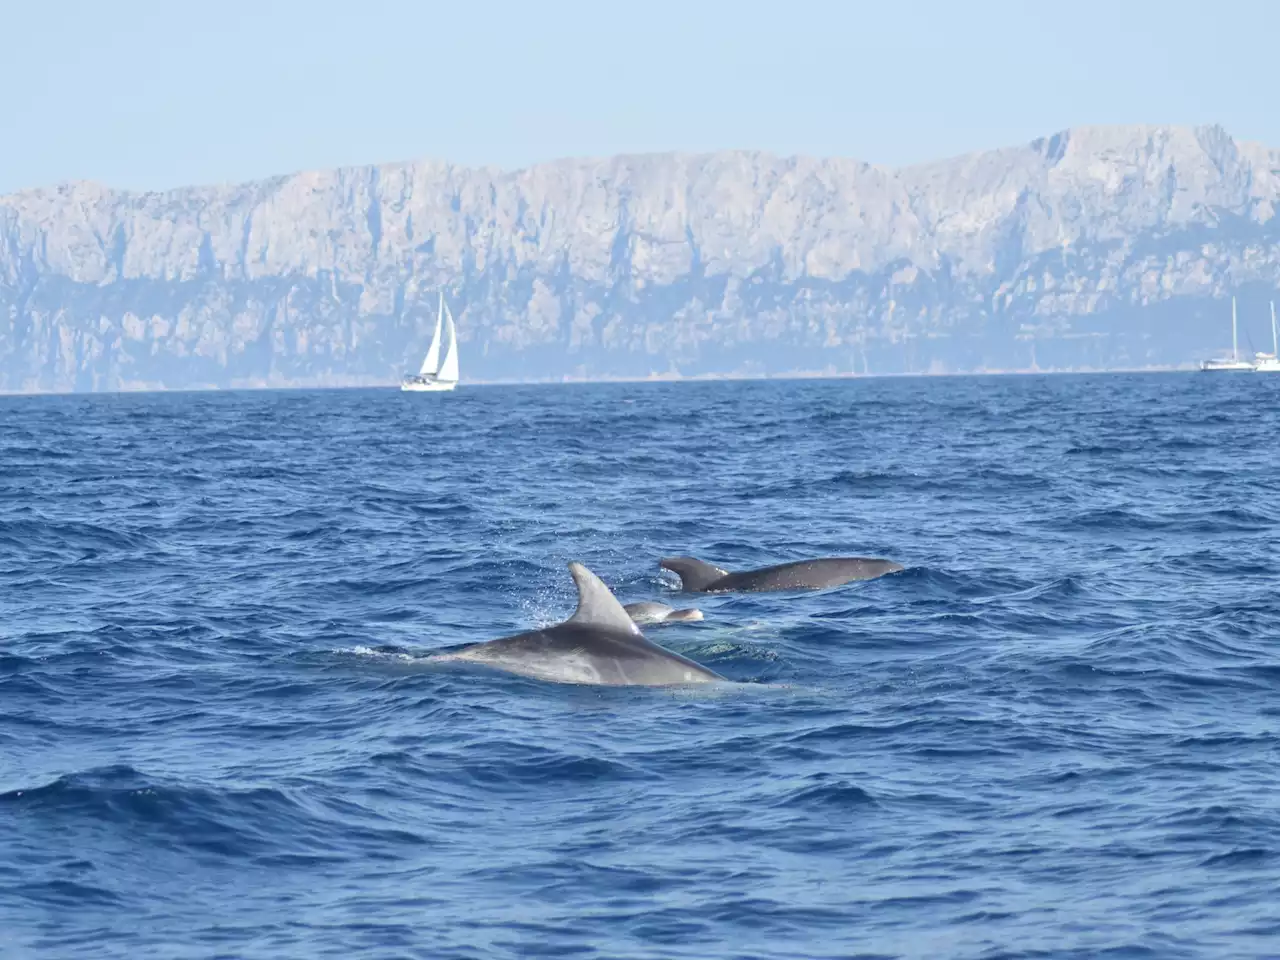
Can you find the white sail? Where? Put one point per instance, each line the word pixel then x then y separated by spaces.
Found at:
pixel 449 366
pixel 432 360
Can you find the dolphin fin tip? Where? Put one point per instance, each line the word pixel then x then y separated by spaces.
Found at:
pixel 596 603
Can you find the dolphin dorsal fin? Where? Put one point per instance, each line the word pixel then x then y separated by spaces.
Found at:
pixel 694 574
pixel 597 606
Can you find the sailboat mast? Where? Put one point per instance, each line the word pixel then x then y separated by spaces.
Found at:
pixel 1275 350
pixel 1235 353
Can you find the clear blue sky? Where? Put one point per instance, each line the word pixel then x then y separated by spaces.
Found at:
pixel 147 94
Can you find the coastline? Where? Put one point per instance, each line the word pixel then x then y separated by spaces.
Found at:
pixel 375 384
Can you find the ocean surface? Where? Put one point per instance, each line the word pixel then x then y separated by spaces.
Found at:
pixel 1055 734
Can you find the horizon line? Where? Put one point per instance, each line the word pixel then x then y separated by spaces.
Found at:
pixel 586 381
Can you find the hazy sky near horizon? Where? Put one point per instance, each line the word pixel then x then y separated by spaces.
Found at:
pixel 150 94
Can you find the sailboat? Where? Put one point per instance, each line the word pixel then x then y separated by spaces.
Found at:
pixel 437 375
pixel 1232 362
pixel 1269 362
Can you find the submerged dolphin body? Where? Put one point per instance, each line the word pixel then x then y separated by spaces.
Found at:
pixel 700 577
pixel 599 644
pixel 648 611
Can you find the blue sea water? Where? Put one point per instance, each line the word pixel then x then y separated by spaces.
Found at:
pixel 1056 734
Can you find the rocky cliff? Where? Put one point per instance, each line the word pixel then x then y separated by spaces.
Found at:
pixel 1096 247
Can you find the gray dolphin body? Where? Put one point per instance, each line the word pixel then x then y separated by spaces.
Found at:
pixel 702 577
pixel 599 644
pixel 648 611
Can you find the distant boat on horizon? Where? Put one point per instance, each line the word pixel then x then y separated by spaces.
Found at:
pixel 1269 362
pixel 437 375
pixel 1232 363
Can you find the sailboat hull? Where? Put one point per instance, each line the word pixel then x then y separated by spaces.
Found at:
pixel 1226 365
pixel 423 385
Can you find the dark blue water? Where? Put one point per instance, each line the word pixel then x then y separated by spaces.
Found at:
pixel 1056 734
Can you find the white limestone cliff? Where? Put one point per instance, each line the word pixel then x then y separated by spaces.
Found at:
pixel 1094 247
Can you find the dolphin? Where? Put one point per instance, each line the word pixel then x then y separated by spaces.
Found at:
pixel 699 577
pixel 599 644
pixel 648 611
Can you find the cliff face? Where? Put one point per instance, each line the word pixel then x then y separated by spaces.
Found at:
pixel 1095 247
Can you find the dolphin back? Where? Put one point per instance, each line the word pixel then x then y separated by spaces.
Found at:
pixel 811 574
pixel 598 644
pixel 684 616
pixel 647 611
pixel 650 611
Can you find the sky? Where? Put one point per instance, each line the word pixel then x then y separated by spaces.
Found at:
pixel 153 94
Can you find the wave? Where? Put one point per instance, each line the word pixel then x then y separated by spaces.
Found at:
pixel 229 822
pixel 823 791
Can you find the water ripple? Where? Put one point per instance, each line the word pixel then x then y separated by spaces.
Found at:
pixel 1053 735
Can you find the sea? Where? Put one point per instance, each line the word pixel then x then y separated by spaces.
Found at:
pixel 1055 734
